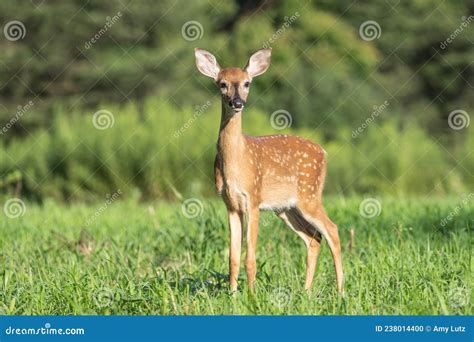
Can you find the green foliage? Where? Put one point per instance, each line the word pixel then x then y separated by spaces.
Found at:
pixel 320 64
pixel 72 63
pixel 150 259
pixel 161 149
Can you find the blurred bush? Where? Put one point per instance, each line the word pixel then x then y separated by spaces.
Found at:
pixel 79 57
pixel 162 151
pixel 321 68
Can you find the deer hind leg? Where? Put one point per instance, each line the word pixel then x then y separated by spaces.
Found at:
pixel 311 238
pixel 317 217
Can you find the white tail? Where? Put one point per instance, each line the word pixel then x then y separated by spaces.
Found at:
pixel 281 173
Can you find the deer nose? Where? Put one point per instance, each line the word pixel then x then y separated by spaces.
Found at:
pixel 237 103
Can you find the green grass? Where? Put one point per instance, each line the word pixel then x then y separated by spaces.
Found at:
pixel 137 258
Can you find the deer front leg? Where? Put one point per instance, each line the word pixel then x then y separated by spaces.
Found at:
pixel 235 225
pixel 218 180
pixel 252 234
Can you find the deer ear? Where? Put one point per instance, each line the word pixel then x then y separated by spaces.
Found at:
pixel 259 62
pixel 207 63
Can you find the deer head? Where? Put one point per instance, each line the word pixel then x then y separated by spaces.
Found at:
pixel 234 83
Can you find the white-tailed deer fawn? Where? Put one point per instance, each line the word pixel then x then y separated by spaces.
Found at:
pixel 281 173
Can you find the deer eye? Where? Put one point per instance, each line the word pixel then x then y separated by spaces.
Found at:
pixel 222 85
pixel 247 84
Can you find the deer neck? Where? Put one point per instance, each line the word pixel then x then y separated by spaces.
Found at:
pixel 230 145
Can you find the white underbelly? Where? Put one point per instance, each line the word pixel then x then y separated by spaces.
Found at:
pixel 278 205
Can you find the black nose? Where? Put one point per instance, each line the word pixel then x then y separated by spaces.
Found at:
pixel 236 103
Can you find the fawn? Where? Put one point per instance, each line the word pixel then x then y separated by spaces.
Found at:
pixel 281 173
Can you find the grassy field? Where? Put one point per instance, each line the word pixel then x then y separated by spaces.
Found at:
pixel 124 257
